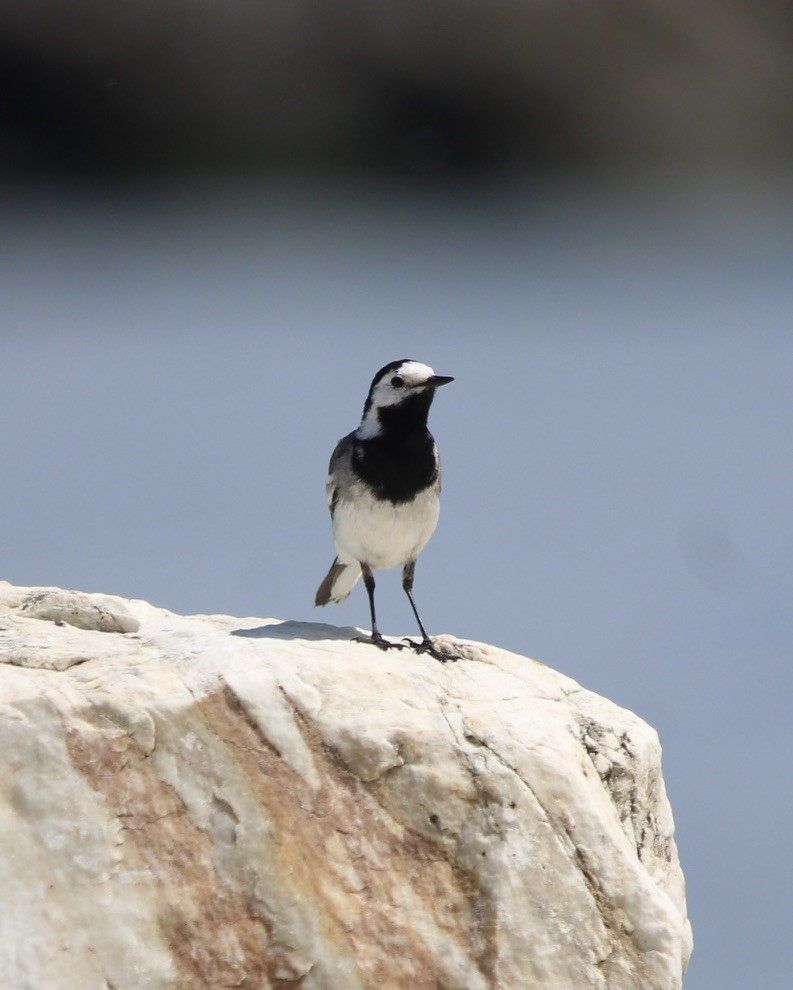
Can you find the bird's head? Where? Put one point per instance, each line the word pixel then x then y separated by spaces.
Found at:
pixel 402 390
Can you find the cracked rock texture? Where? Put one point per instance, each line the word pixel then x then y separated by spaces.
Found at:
pixel 207 801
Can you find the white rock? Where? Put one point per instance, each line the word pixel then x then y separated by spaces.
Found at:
pixel 209 801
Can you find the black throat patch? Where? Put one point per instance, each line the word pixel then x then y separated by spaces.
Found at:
pixel 400 461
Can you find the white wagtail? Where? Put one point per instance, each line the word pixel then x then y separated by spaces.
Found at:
pixel 384 486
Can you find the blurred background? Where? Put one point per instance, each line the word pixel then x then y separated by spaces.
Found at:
pixel 219 221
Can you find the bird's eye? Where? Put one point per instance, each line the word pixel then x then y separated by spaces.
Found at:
pixel 397 382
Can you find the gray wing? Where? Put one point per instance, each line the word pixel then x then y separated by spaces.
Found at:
pixel 340 476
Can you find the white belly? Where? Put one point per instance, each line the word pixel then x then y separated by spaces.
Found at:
pixel 381 534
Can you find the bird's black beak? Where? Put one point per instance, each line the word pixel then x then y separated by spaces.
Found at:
pixel 437 380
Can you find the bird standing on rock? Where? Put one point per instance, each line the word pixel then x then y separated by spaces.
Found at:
pixel 384 486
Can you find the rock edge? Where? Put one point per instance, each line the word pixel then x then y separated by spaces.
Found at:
pixel 205 800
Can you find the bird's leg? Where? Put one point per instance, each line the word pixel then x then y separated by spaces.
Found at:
pixel 408 572
pixel 376 639
pixel 426 645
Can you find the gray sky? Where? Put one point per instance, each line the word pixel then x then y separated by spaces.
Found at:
pixel 176 368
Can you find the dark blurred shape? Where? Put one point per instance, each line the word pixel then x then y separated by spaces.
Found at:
pixel 62 116
pixel 431 89
pixel 710 555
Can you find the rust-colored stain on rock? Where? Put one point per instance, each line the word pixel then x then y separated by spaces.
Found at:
pixel 336 852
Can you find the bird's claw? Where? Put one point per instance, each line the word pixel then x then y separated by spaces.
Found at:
pixel 427 646
pixel 379 642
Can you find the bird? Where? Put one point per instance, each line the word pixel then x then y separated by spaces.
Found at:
pixel 383 490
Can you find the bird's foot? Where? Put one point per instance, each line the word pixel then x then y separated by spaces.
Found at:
pixel 427 646
pixel 377 640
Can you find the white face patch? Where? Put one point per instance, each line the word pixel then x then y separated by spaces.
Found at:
pixel 412 374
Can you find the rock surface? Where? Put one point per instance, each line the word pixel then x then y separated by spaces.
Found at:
pixel 215 802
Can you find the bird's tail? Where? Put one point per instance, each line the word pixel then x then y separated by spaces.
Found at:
pixel 339 582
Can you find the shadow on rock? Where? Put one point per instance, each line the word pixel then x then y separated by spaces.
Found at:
pixel 298 630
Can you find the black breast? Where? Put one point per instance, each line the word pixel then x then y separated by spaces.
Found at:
pixel 396 466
